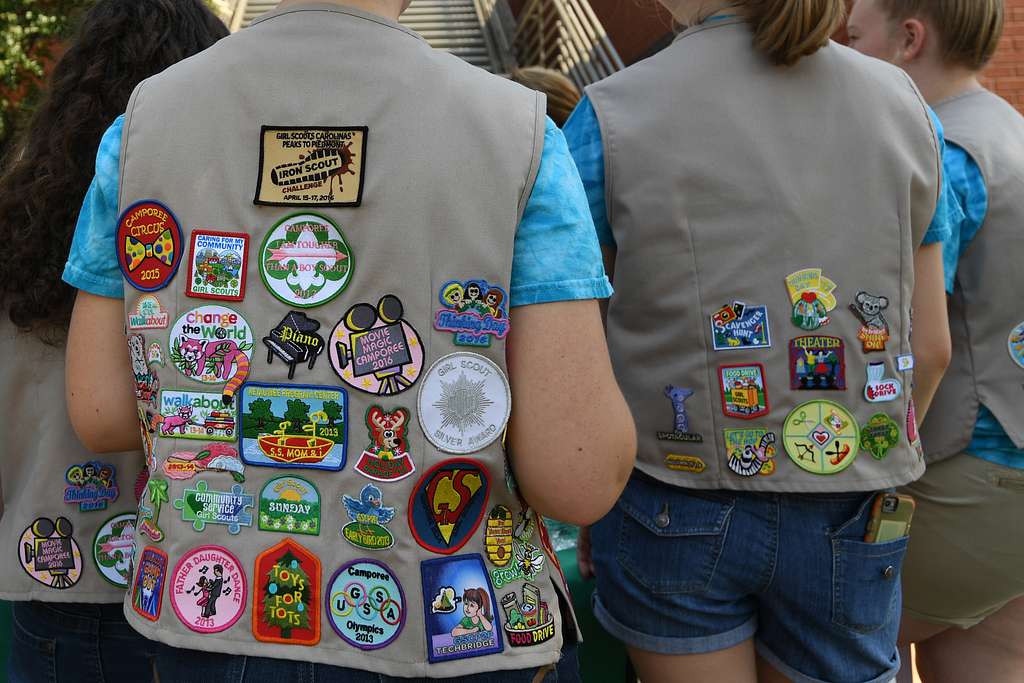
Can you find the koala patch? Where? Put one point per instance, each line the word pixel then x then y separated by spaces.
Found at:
pixel 874 330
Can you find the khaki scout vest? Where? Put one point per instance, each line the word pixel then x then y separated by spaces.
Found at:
pixel 440 158
pixel 725 175
pixel 986 318
pixel 68 514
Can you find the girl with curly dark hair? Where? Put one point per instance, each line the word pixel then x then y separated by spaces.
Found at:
pixel 70 537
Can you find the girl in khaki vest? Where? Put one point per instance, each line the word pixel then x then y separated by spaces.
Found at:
pixel 70 627
pixel 765 220
pixel 967 619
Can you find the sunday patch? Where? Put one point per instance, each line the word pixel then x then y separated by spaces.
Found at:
pixel 149 245
pixel 311 166
pixel 290 505
pixel 292 425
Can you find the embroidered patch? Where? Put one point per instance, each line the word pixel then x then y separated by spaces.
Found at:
pixel 464 403
pixel 155 355
pixel 202 506
pixel 148 314
pixel 149 509
pixel 292 425
pixel 879 435
pixel 474 310
pixel 218 265
pixel 311 166
pixel 370 517
pixel 208 589
pixel 685 463
pixel 681 425
pixel 195 415
pixel 744 394
pixel 912 435
pixel 880 388
pixel 387 457
pixel 447 504
pixel 365 604
pixel 874 330
pixel 459 606
pixel 148 421
pixel 49 553
pixel 91 485
pixel 374 350
pixel 149 245
pixel 821 437
pixel 213 344
pixel 147 383
pixel 148 591
pixel 527 622
pixel 305 260
pixel 1015 344
pixel 113 548
pixel 215 457
pixel 817 363
pixel 295 341
pixel 751 451
pixel 529 562
pixel 739 326
pixel 290 505
pixel 810 293
pixel 286 595
pixel 498 536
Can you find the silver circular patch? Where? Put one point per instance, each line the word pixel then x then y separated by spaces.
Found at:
pixel 464 403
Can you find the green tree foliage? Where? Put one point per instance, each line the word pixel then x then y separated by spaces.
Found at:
pixel 286 601
pixel 260 411
pixel 297 413
pixel 334 412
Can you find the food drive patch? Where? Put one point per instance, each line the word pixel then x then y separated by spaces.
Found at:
pixel 311 166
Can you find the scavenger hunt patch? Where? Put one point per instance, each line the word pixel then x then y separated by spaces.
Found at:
pixel 740 326
pixel 315 166
pixel 218 265
pixel 208 589
pixel 459 609
pixel 49 553
pixel 286 595
pixel 365 604
pixel 291 425
pixel 149 245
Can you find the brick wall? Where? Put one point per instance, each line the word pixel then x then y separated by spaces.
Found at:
pixel 1005 74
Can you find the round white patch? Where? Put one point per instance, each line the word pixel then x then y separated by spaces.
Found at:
pixel 464 403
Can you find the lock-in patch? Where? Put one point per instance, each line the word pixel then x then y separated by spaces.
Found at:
pixel 880 388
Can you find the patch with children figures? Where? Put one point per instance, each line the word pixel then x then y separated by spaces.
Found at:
pixel 286 600
pixel 213 344
pixel 218 265
pixel 744 394
pixel 148 590
pixel 293 425
pixel 474 311
pixel 817 363
pixel 459 609
pixel 208 589
pixel 365 604
pixel 149 245
pixel 739 326
pixel 311 165
pixel 91 485
pixel 811 295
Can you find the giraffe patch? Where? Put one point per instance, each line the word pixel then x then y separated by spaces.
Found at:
pixel 681 422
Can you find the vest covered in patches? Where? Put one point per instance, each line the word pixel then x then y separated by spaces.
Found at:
pixel 68 514
pixel 329 478
pixel 986 318
pixel 766 220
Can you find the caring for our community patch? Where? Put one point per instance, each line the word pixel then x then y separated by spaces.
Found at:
pixel 149 245
pixel 311 166
pixel 218 265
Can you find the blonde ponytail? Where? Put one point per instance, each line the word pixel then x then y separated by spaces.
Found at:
pixel 786 30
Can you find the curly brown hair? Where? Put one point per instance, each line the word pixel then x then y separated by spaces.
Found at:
pixel 47 173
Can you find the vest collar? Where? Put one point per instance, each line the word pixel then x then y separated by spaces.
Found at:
pixel 970 92
pixel 336 9
pixel 709 25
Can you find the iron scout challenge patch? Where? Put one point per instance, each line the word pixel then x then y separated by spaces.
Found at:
pixel 311 166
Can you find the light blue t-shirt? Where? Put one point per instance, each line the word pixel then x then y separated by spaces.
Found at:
pixel 556 256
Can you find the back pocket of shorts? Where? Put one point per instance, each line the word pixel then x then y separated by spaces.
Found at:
pixel 670 540
pixel 866 583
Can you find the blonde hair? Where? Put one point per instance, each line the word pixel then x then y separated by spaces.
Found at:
pixel 969 29
pixel 563 95
pixel 787 30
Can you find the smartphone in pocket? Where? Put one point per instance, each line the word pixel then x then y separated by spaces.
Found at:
pixel 891 515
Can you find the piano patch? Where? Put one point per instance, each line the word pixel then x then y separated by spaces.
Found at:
pixel 286 600
pixel 293 425
pixel 365 604
pixel 464 403
pixel 208 589
pixel 448 504
pixel 474 311
pixel 305 260
pixel 49 553
pixel 311 166
pixel 148 591
pixel 195 415
pixel 91 485
pixel 213 344
pixel 459 609
pixel 113 548
pixel 376 351
pixel 369 519
pixel 201 506
pixel 294 340
pixel 528 621
pixel 149 245
pixel 290 505
pixel 387 457
pixel 218 265
pixel 148 314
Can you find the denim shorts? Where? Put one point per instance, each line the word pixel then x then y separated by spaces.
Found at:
pixel 64 642
pixel 688 572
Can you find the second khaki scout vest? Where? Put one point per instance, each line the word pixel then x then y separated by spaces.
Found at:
pixel 986 317
pixel 68 514
pixel 330 483
pixel 766 220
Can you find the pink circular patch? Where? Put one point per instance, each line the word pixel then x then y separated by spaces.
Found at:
pixel 208 589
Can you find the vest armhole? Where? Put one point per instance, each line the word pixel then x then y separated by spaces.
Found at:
pixel 606 157
pixel 539 129
pixel 919 239
pixel 125 130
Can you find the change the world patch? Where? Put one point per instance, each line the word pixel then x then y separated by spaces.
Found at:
pixel 311 166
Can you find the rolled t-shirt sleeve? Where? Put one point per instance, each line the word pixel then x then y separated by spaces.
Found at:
pixel 92 263
pixel 557 256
